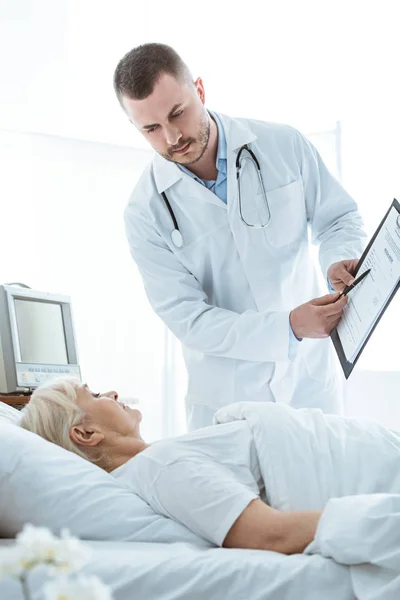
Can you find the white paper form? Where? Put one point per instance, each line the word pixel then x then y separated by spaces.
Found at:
pixel 369 297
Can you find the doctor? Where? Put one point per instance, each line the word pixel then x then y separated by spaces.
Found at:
pixel 218 227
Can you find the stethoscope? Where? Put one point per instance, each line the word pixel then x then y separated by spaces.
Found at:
pixel 176 235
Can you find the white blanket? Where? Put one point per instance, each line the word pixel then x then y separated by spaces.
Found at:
pixel 349 468
pixel 141 571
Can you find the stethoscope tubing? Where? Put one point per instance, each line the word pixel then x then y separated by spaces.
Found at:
pixel 176 234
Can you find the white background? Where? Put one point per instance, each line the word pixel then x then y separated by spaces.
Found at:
pixel 69 157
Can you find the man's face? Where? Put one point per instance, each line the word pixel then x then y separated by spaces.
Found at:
pixel 173 119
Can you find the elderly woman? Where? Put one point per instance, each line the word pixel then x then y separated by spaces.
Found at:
pixel 209 480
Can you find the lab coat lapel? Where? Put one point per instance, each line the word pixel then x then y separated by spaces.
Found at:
pixel 257 257
pixel 237 134
pixel 167 174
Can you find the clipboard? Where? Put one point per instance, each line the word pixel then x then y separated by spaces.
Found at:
pixel 348 366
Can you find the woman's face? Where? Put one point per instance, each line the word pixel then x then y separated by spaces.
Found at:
pixel 109 415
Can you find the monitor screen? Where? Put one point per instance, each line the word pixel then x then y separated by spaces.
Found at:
pixel 41 332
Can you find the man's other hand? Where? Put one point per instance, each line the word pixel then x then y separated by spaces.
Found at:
pixel 341 273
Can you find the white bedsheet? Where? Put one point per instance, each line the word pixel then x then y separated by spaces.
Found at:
pixel 364 533
pixel 139 571
pixel 351 470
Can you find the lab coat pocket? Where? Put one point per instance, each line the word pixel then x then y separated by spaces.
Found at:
pixel 288 215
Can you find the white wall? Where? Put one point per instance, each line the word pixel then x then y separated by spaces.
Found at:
pixel 306 63
pixel 374 395
pixel 61 204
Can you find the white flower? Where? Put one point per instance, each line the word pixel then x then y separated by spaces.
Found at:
pixel 79 588
pixel 72 555
pixel 37 545
pixel 10 563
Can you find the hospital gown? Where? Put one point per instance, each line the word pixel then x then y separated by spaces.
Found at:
pixel 204 479
pixel 291 459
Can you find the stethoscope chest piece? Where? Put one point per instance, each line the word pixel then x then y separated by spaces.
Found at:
pixel 177 238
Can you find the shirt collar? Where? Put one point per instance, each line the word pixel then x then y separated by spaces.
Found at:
pixel 237 133
pixel 220 161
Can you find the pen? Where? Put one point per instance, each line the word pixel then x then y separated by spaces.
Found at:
pixel 348 288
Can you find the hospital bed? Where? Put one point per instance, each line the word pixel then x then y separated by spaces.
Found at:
pixel 141 571
pixel 45 485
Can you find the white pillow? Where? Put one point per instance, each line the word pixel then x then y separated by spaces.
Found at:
pixel 8 414
pixel 44 484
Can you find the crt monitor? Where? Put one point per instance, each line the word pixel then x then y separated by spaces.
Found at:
pixel 37 339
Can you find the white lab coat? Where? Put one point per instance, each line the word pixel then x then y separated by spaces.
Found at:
pixel 227 293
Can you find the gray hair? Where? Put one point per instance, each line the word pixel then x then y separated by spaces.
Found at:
pixel 52 411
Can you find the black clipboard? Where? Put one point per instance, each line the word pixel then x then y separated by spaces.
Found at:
pixel 346 365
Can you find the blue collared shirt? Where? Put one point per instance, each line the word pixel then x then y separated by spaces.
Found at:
pixel 219 187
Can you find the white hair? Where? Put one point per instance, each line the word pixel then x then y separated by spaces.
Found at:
pixel 52 411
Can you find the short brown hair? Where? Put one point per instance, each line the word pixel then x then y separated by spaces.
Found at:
pixel 139 70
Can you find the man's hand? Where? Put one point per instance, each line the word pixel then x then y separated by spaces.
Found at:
pixel 340 274
pixel 317 318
